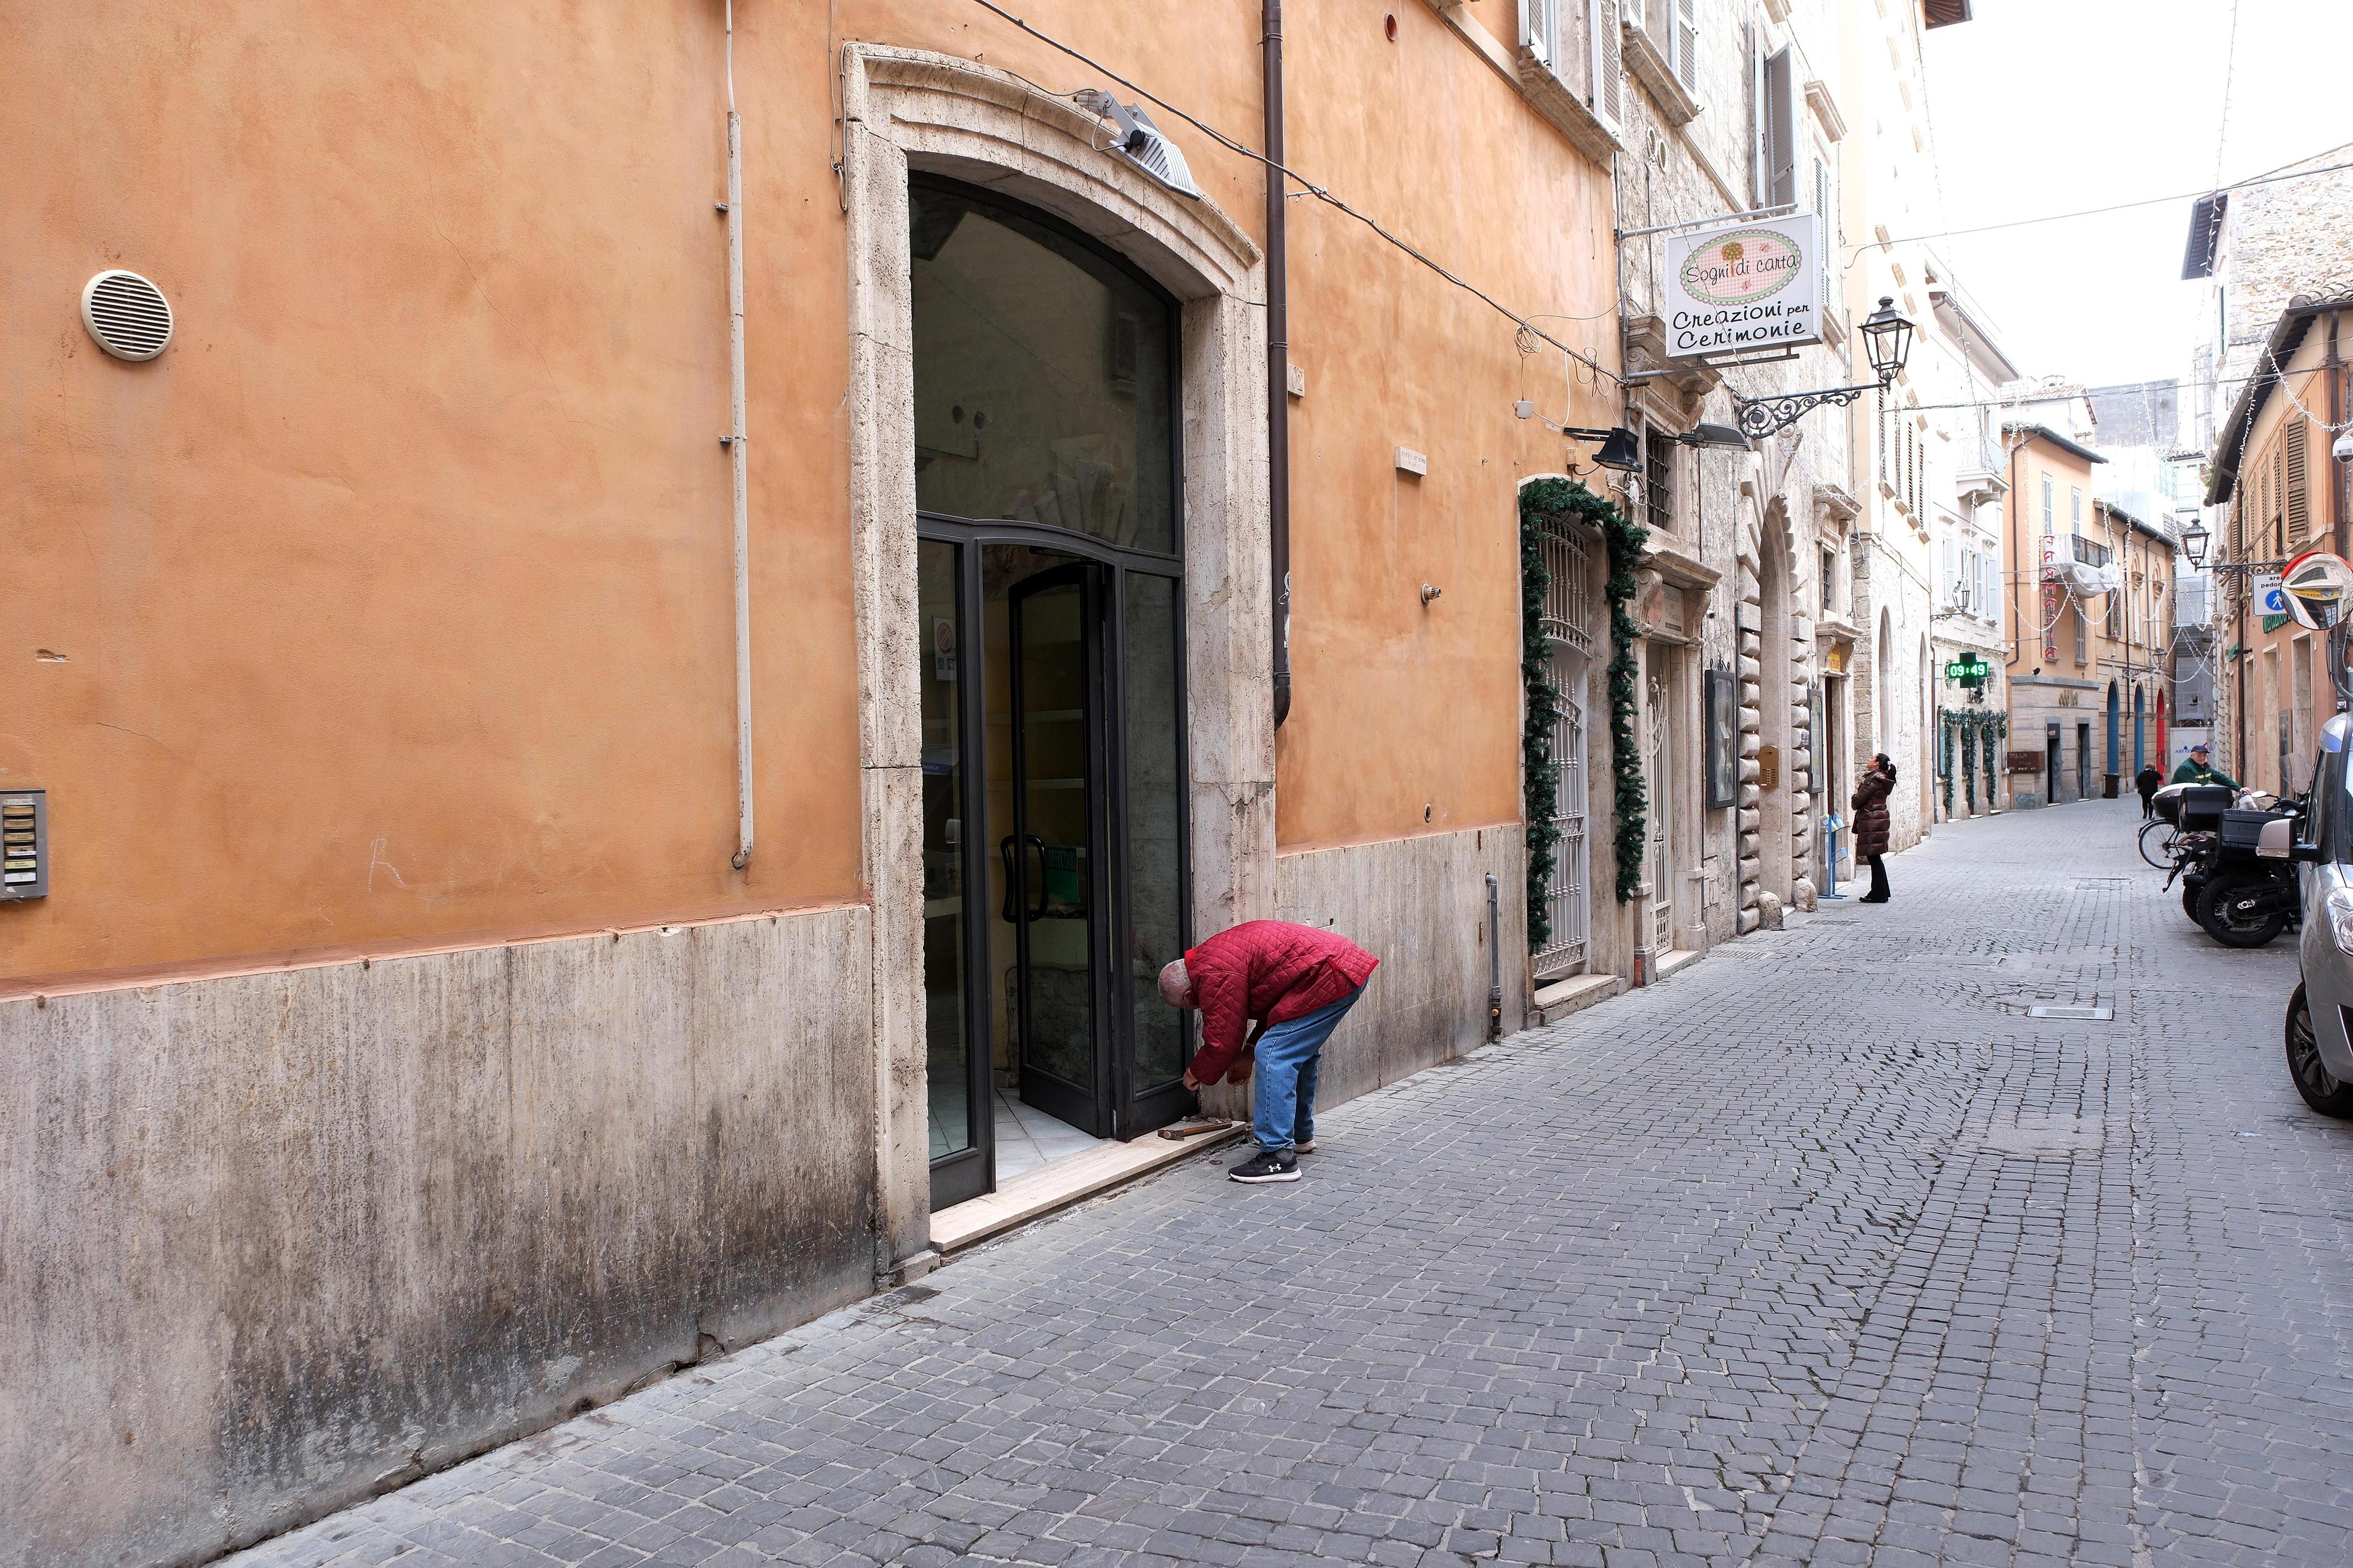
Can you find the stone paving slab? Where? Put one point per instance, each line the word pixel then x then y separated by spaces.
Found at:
pixel 1822 1252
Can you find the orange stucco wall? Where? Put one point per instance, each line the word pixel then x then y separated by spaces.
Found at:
pixel 392 606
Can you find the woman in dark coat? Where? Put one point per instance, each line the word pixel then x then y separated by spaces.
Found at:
pixel 1870 824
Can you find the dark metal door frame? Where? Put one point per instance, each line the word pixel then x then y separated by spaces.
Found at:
pixel 1085 1106
pixel 971 1171
pixel 1119 1108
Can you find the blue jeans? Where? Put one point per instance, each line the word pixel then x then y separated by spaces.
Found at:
pixel 1282 1102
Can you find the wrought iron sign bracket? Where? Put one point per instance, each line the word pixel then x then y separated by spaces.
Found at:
pixel 1763 417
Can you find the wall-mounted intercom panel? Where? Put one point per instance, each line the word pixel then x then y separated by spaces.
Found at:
pixel 23 844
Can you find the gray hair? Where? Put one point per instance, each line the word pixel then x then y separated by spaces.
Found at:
pixel 1175 985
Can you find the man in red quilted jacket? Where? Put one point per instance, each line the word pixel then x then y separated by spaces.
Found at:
pixel 1298 983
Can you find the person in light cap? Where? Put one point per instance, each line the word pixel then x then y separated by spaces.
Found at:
pixel 1298 982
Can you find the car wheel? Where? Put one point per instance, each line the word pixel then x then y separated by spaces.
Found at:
pixel 2219 911
pixel 2322 1090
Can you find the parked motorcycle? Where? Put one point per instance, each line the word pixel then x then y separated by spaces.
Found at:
pixel 2244 899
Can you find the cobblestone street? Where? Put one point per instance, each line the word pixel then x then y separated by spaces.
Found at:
pixel 1822 1251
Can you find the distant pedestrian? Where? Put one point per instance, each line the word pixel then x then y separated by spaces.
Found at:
pixel 2148 780
pixel 1298 982
pixel 1871 823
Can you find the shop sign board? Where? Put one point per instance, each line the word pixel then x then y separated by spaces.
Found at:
pixel 1744 287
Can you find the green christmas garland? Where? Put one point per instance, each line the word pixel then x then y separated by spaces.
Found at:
pixel 1544 503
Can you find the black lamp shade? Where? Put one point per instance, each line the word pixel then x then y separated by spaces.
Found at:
pixel 1887 337
pixel 1619 451
pixel 2193 543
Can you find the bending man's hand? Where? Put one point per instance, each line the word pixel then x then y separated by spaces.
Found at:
pixel 1190 1082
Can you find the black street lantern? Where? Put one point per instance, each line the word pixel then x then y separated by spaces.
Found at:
pixel 1887 338
pixel 2193 540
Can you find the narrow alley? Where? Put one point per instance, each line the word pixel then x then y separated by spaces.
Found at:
pixel 1823 1251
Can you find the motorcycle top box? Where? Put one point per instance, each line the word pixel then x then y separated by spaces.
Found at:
pixel 2195 808
pixel 2241 830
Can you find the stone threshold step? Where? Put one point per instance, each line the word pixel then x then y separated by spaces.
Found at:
pixel 1558 1001
pixel 1061 1183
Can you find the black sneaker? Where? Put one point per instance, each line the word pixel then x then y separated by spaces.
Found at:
pixel 1266 1166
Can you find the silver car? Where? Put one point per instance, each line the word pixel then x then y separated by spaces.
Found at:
pixel 2319 1053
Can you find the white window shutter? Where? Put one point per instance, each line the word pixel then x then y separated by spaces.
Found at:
pixel 1682 48
pixel 1828 225
pixel 1609 67
pixel 1780 115
pixel 1757 142
pixel 1536 29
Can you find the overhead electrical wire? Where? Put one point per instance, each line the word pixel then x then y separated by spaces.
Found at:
pixel 1308 187
pixel 2090 212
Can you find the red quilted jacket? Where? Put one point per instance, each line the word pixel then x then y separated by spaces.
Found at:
pixel 1271 971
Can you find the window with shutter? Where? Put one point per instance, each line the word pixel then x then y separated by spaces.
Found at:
pixel 1777 130
pixel 1950 589
pixel 1609 74
pixel 2275 483
pixel 2299 497
pixel 1685 56
pixel 1540 29
pixel 2049 491
pixel 1823 210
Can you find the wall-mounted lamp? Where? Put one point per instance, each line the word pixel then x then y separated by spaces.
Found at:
pixel 1887 337
pixel 2193 540
pixel 1715 438
pixel 1618 450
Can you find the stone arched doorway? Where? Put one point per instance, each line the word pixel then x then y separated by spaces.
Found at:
pixel 912 116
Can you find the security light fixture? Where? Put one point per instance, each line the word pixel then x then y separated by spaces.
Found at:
pixel 1720 437
pixel 1618 448
pixel 1141 142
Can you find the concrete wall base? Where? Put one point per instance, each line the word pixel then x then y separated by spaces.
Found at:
pixel 278 1242
pixel 1419 905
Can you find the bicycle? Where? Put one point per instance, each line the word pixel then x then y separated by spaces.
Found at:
pixel 2157 837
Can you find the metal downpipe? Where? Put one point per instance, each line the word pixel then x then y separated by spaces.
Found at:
pixel 739 453
pixel 1278 366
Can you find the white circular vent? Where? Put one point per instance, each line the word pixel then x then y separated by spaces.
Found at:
pixel 127 315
